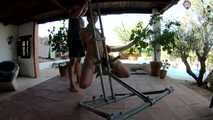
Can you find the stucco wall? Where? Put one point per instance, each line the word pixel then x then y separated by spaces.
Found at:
pixel 7 51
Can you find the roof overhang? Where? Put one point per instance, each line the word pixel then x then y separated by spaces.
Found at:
pixel 20 11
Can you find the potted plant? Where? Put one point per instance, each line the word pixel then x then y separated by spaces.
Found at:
pixel 164 67
pixel 58 44
pixel 58 40
pixel 62 67
pixel 165 39
pixel 155 43
pixel 155 68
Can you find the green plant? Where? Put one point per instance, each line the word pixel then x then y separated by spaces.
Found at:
pixel 195 38
pixel 165 65
pixel 138 35
pixel 210 61
pixel 58 39
pixel 166 39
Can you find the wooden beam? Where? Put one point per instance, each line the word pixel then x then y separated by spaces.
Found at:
pixel 47 15
pixel 24 10
pixel 173 2
pixel 57 3
pixel 128 4
pixel 152 1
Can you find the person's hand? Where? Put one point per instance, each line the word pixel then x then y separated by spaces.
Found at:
pixel 108 49
pixel 78 10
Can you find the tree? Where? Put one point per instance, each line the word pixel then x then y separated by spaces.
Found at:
pixel 123 32
pixel 200 41
pixel 195 38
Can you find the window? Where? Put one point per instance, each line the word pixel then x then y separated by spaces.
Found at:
pixel 24 46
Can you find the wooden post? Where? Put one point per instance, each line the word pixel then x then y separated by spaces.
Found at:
pixel 157 30
pixel 156 64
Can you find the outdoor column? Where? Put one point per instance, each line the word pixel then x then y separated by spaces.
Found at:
pixel 157 30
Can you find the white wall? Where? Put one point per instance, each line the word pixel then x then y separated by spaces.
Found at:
pixel 7 51
pixel 43 46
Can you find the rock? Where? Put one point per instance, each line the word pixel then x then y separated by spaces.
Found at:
pixel 146 67
pixel 209 80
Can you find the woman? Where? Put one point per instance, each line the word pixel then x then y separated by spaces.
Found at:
pixel 76 49
pixel 90 61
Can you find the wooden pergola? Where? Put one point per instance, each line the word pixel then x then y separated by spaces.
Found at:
pixel 20 11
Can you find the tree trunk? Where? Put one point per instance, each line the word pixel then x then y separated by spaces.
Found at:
pixel 189 70
pixel 202 70
pixel 199 78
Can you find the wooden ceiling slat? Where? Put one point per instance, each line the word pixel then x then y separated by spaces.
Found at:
pixel 19 11
pixel 97 1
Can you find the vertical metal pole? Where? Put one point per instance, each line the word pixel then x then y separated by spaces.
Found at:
pixel 106 55
pixel 97 50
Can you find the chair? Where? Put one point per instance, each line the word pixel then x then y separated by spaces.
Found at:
pixel 8 74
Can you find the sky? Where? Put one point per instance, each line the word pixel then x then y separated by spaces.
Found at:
pixel 109 24
pixel 112 21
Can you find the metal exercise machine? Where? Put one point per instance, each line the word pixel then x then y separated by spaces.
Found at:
pixel 148 98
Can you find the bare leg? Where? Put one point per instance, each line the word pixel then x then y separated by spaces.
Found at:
pixel 119 69
pixel 78 69
pixel 88 70
pixel 71 75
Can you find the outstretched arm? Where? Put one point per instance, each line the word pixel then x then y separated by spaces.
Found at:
pixel 122 48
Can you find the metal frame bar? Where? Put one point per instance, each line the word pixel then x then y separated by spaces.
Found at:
pixel 106 54
pixel 141 95
pixel 93 105
pixel 97 51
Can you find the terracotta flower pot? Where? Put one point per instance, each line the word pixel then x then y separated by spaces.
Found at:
pixel 163 74
pixel 62 70
pixel 155 68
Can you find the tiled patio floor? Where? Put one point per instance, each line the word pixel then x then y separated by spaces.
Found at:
pixel 23 83
pixel 53 101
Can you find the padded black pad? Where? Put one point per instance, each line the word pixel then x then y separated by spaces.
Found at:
pixel 7 71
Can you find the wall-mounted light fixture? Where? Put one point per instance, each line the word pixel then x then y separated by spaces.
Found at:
pixel 10 39
pixel 187 4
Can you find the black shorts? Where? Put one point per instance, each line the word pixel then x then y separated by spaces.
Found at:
pixel 75 45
